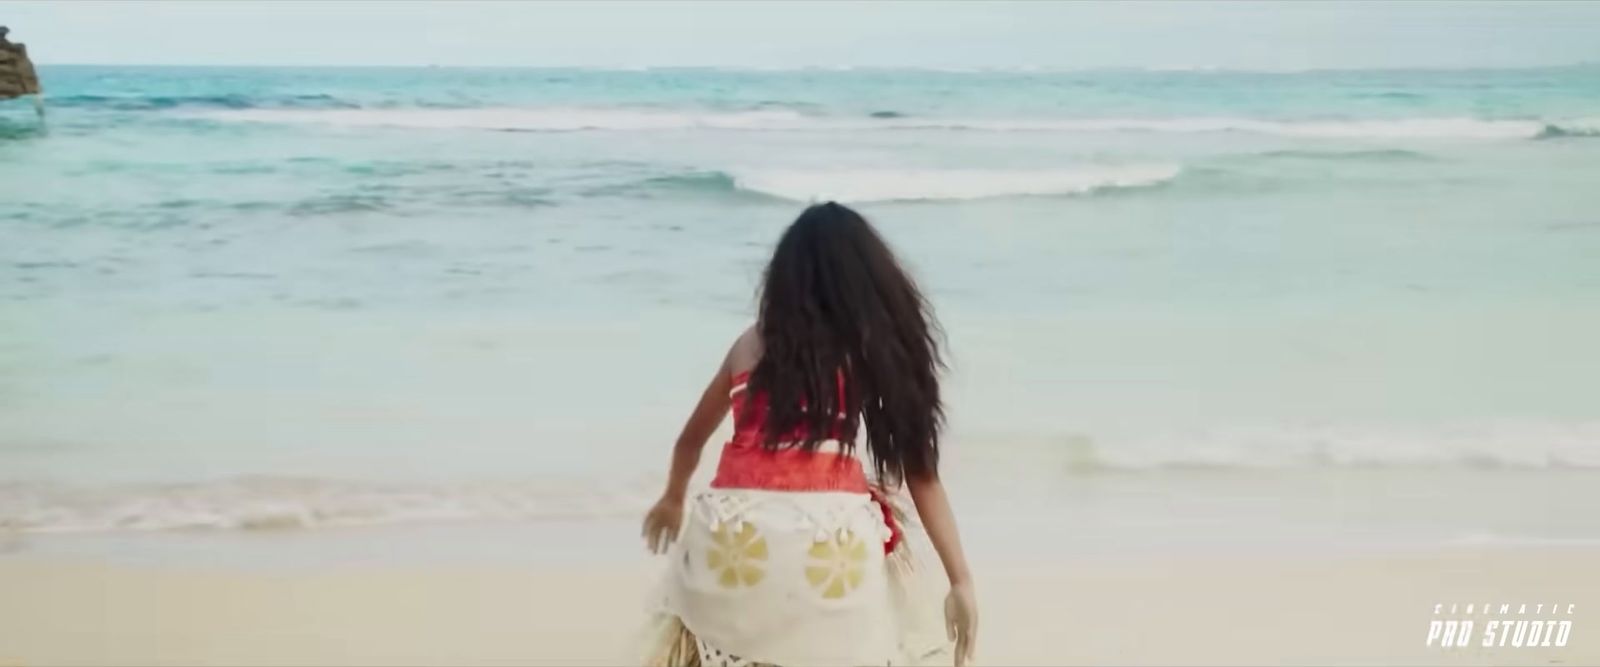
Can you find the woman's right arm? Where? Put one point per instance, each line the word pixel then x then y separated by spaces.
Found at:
pixel 705 419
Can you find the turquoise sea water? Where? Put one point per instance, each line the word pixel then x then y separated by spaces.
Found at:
pixel 241 297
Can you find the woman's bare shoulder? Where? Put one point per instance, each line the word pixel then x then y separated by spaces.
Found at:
pixel 745 352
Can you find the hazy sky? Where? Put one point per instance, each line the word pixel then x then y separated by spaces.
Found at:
pixel 1255 35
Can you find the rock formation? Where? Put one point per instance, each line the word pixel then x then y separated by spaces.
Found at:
pixel 17 77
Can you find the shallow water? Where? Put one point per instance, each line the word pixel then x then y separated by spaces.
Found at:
pixel 246 298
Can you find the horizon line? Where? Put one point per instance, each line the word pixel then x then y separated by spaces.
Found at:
pixel 952 69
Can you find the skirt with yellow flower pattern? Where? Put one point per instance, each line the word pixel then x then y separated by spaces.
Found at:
pixel 791 578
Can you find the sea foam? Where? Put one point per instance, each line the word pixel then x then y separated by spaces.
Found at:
pixel 282 503
pixel 868 185
pixel 269 503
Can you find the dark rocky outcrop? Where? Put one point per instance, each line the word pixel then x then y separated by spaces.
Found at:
pixel 17 77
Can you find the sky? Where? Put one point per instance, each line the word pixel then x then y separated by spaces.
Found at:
pixel 1071 35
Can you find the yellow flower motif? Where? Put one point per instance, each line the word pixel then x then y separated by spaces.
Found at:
pixel 736 556
pixel 837 566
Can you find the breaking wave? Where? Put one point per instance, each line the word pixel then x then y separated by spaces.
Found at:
pixel 870 185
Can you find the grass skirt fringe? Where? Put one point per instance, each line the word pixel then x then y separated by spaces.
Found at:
pixel 671 644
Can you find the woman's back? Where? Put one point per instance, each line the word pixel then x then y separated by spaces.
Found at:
pixel 786 559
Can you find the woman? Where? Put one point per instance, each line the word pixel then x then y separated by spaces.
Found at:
pixel 792 557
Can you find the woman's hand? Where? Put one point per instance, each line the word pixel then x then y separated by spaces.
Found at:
pixel 661 524
pixel 961 621
pixel 961 605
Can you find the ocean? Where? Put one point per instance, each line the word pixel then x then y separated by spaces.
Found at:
pixel 1323 305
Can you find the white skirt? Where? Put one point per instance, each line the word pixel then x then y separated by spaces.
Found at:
pixel 794 578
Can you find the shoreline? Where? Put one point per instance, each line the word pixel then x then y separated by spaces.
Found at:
pixel 1176 609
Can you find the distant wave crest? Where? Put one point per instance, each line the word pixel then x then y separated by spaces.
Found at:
pixel 1376 155
pixel 869 185
pixel 523 119
pixel 557 119
pixel 219 101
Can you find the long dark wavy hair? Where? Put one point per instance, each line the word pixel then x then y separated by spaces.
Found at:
pixel 835 302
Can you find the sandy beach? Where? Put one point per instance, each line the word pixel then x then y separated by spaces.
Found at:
pixel 1302 610
pixel 1270 332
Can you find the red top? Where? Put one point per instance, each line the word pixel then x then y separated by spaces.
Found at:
pixel 746 464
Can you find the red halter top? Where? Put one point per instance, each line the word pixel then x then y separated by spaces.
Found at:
pixel 746 464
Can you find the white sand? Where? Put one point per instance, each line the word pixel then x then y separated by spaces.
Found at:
pixel 1261 610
